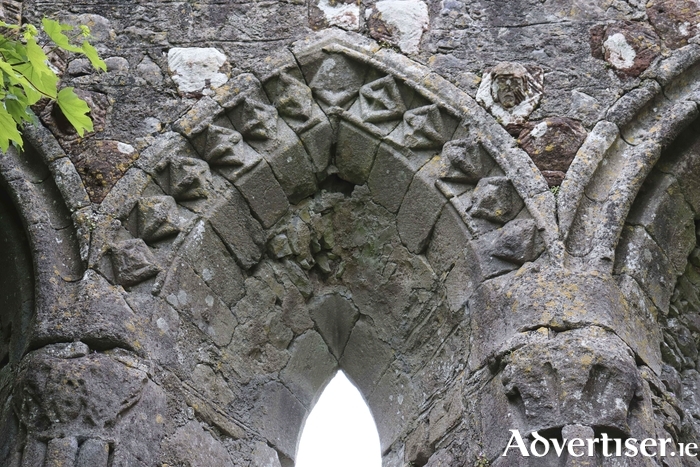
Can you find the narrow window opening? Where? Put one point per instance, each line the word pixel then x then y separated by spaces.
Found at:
pixel 340 430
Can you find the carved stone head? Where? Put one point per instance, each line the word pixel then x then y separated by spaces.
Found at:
pixel 511 91
pixel 509 85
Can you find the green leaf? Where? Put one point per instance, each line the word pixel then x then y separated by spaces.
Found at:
pixel 18 111
pixel 12 51
pixel 91 54
pixel 17 105
pixel 54 30
pixel 30 31
pixel 15 78
pixel 75 110
pixel 8 130
pixel 44 83
pixel 37 57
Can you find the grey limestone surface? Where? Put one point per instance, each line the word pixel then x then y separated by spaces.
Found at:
pixel 484 212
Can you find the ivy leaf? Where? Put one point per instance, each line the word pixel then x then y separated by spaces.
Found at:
pixel 75 110
pixel 8 130
pixel 91 54
pixel 54 30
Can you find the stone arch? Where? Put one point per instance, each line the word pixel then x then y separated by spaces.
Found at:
pixel 336 210
pixel 347 208
pixel 621 151
pixel 633 184
pixel 40 260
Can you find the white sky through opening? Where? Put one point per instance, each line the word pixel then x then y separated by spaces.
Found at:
pixel 340 430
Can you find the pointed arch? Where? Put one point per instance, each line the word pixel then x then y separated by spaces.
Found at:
pixel 344 191
pixel 340 428
pixel 620 153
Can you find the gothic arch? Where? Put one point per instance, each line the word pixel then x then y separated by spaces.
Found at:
pixel 39 260
pixel 621 151
pixel 240 220
pixel 232 268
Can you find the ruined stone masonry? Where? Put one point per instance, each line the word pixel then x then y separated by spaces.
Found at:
pixel 485 213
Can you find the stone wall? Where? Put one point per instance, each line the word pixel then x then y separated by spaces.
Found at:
pixel 483 212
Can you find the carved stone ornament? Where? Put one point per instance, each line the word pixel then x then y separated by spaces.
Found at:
pixel 259 120
pixel 133 262
pixel 469 163
pixel 423 127
pixel 188 178
pixel 386 224
pixel 511 91
pixel 157 218
pixel 381 101
pixel 294 98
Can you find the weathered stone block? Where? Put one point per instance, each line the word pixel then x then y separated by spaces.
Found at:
pixel 447 412
pixel 133 262
pixel 280 416
pixel 390 178
pixel 334 78
pixel 309 368
pixel 421 208
pixel 212 385
pixel 469 162
pixel 654 272
pixel 61 452
pixel 552 145
pixel 187 178
pixel 156 218
pixel 188 294
pixel 93 453
pixel 518 242
pixel 495 199
pixel 318 141
pixel 264 194
pixel 289 161
pixel 242 234
pixel 394 404
pixel 555 299
pixel 628 46
pixel 355 152
pixel 264 456
pixel 449 239
pixel 209 257
pixel 293 170
pixel 586 376
pixel 662 210
pixel 334 316
pixel 365 357
pixel 34 453
pixel 418 451
pixel 193 445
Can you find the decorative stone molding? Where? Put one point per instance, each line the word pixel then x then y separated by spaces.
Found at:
pixel 347 208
